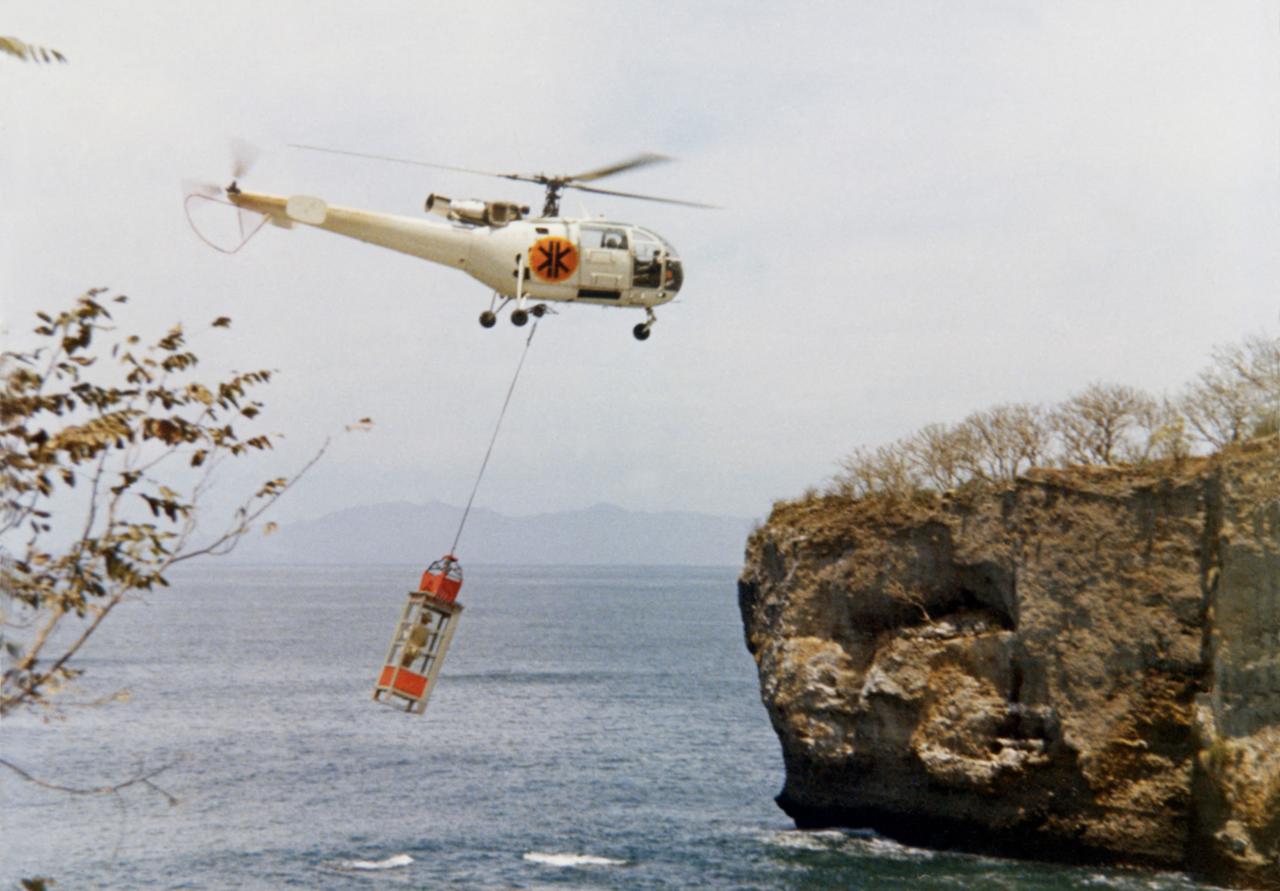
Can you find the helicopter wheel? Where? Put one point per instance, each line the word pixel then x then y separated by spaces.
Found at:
pixel 488 319
pixel 539 311
pixel 519 317
pixel 641 331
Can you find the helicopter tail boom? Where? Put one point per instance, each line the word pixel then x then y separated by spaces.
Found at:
pixel 420 238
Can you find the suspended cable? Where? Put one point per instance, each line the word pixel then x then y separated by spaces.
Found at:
pixel 502 414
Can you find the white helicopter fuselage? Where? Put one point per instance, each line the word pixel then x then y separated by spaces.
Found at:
pixel 546 259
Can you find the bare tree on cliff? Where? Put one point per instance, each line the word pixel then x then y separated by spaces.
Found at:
pixel 1167 435
pixel 1007 440
pixel 1238 395
pixel 881 471
pixel 1095 426
pixel 108 450
pixel 1257 363
pixel 941 454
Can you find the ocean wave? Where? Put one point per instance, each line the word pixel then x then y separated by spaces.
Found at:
pixel 1140 881
pixel 393 862
pixel 570 859
pixel 804 840
pixel 889 849
pixel 850 841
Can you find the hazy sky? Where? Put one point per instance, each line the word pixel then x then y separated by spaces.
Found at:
pixel 931 208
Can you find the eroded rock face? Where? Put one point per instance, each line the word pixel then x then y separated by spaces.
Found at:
pixel 1085 667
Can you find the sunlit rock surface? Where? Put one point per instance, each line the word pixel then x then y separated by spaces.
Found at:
pixel 1084 667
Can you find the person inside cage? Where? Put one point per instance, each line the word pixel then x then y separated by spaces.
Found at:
pixel 417 641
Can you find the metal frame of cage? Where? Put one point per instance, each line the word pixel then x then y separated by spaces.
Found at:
pixel 411 667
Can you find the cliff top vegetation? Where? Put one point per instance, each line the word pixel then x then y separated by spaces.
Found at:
pixel 1234 400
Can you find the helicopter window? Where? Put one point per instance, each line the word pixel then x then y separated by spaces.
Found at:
pixel 647 272
pixel 600 237
pixel 646 235
pixel 644 245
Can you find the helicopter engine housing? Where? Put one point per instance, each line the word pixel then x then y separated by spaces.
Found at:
pixel 481 213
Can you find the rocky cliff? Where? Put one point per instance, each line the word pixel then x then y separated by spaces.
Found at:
pixel 1084 666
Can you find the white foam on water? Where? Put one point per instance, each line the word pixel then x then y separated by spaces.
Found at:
pixel 389 863
pixel 565 860
pixel 891 850
pixel 802 840
pixel 847 841
pixel 1156 881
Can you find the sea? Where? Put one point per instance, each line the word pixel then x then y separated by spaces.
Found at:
pixel 592 728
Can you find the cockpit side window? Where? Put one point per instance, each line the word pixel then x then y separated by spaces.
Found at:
pixel 606 237
pixel 645 250
pixel 647 272
pixel 657 265
pixel 646 235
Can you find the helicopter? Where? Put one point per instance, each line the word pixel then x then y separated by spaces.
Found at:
pixel 528 262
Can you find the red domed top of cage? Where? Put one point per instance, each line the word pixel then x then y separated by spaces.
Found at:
pixel 443 578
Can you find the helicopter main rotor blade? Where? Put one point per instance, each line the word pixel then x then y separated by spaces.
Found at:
pixel 551 182
pixel 642 160
pixel 516 176
pixel 642 197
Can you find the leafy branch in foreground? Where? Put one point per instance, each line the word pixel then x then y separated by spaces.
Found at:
pixel 29 52
pixel 109 445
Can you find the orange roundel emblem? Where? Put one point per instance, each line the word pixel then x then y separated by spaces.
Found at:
pixel 553 259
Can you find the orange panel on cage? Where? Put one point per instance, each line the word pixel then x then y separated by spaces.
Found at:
pixel 443 578
pixel 403 681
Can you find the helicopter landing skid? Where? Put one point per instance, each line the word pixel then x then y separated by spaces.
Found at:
pixel 489 317
pixel 642 331
pixel 519 315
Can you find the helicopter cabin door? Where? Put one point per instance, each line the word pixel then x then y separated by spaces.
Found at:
pixel 605 271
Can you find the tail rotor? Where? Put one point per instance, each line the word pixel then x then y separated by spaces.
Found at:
pixel 243 155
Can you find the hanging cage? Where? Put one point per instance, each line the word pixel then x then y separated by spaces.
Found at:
pixel 421 638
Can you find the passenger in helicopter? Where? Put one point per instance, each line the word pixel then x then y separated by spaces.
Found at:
pixel 648 272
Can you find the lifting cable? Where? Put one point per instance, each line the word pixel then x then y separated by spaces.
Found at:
pixel 502 414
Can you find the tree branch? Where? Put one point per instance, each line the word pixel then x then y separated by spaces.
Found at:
pixel 143 780
pixel 247 517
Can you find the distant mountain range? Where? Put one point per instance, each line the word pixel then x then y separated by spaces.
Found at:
pixel 400 532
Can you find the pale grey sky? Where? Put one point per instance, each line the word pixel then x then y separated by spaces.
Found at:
pixel 931 207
